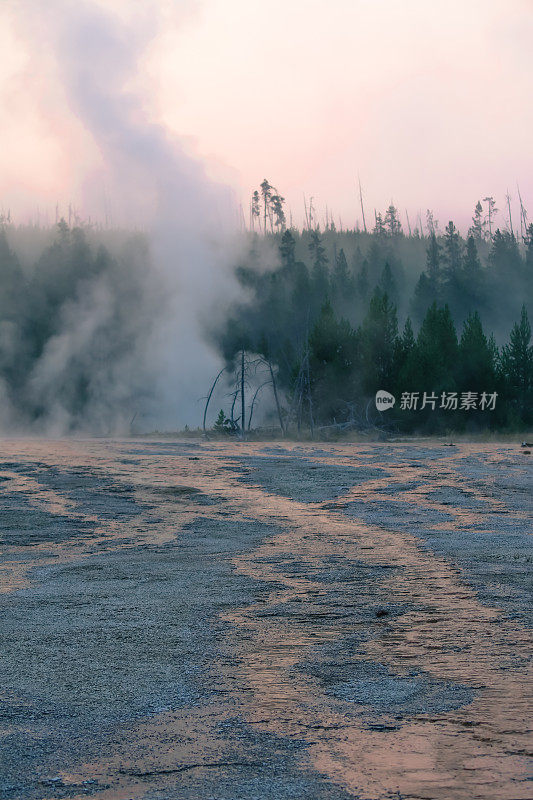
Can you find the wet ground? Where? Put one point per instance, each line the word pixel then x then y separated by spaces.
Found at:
pixel 204 620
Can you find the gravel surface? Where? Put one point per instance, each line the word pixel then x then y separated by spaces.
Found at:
pixel 211 620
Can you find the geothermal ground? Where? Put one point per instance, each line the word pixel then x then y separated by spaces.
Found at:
pixel 248 621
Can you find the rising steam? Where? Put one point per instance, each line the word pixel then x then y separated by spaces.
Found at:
pixel 127 340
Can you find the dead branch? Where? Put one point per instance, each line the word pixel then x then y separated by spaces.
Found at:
pixel 210 393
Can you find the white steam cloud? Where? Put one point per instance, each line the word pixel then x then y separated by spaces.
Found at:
pixel 160 377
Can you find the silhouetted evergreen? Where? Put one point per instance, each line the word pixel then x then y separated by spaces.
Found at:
pixel 517 370
pixel 333 351
pixel 324 308
pixel 330 308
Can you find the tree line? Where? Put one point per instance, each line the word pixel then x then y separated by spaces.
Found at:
pixel 342 314
pixel 73 320
pixel 325 319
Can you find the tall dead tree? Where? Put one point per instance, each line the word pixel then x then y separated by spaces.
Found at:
pixel 491 212
pixel 240 381
pixel 309 395
pixel 362 206
pixel 523 215
pixel 301 394
pixel 276 396
pixel 252 404
pixel 311 213
pixel 210 394
pixel 243 416
pixel 306 214
pixel 408 223
pixel 508 198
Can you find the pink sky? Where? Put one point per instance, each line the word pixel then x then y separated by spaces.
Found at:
pixel 428 101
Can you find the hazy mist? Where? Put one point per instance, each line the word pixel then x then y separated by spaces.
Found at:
pixel 150 300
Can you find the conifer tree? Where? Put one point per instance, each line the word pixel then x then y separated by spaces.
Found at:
pixel 437 348
pixel 477 230
pixel 341 280
pixel 504 256
pixel 434 266
pixel 333 353
pixel 276 204
pixel 12 282
pixel 422 298
pixel 254 208
pixel 406 361
pixel 362 282
pixel 472 278
pixel 266 193
pixel 517 369
pixel 379 333
pixel 476 365
pixel 452 249
pixel 388 284
pixel 287 250
pixel 320 268
pixel 453 261
pixel 379 228
pixel 392 221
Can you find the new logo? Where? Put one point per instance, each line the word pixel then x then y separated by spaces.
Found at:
pixel 384 400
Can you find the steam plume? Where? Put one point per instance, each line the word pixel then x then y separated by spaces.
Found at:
pixel 189 222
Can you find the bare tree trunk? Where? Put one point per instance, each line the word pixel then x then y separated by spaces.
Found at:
pixel 362 206
pixel 232 418
pixel 408 223
pixel 299 403
pixel 211 392
pixel 298 397
pixel 275 390
pixel 508 198
pixel 252 405
pixel 309 397
pixel 306 214
pixel 243 413
pixel 523 215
